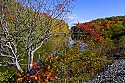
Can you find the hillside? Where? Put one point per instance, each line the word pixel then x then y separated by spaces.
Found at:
pixel 112 27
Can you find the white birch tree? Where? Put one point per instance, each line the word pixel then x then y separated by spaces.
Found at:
pixel 25 25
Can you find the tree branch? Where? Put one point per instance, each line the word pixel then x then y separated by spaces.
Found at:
pixel 31 52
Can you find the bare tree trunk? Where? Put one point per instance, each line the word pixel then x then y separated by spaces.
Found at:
pixel 18 67
pixel 31 53
pixel 30 59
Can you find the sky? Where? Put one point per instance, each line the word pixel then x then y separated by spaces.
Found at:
pixel 87 10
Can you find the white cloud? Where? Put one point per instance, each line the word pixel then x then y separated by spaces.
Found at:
pixel 83 21
pixel 75 19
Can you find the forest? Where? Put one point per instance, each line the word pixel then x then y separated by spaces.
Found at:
pixel 37 45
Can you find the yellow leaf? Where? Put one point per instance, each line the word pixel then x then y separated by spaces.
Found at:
pixel 19 79
pixel 48 67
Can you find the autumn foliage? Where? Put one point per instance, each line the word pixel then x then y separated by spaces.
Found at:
pixel 25 26
pixel 29 37
pixel 41 70
pixel 99 29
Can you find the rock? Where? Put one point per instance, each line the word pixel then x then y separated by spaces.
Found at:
pixel 115 73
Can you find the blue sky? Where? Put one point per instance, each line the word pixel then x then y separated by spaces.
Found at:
pixel 86 10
